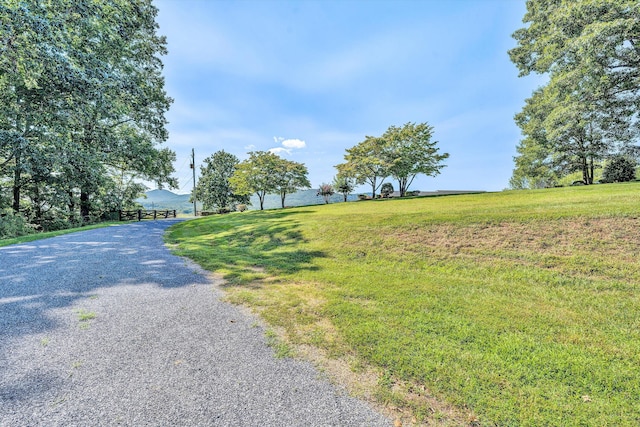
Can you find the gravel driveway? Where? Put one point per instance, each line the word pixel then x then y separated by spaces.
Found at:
pixel 106 327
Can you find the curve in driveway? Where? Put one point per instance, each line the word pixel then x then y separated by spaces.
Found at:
pixel 106 327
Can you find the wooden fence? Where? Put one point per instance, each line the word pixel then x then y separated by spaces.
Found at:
pixel 141 214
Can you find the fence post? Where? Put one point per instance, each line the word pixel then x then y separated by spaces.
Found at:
pixel 174 213
pixel 154 214
pixel 120 215
pixel 139 214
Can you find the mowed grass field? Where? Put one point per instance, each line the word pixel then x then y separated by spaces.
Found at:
pixel 511 308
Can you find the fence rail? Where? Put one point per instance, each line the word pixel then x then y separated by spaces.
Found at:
pixel 141 214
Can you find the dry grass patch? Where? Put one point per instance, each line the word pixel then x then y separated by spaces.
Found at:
pixel 604 248
pixel 608 236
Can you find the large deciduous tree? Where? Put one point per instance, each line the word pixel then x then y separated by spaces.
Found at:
pixel 367 163
pixel 290 177
pixel 82 102
pixel 214 188
pixel 267 173
pixel 590 50
pixel 409 151
pixel 402 152
pixel 256 175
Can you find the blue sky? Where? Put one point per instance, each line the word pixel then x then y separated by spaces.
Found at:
pixel 309 79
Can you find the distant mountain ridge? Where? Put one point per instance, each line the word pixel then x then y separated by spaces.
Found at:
pixel 165 199
pixel 163 195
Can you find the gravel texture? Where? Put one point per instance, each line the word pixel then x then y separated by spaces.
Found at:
pixel 106 327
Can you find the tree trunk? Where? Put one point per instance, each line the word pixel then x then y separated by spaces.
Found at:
pixel 591 168
pixel 72 205
pixel 37 202
pixel 282 197
pixel 402 186
pixel 373 188
pixel 84 205
pixel 261 198
pixel 585 170
pixel 16 184
pixel 345 196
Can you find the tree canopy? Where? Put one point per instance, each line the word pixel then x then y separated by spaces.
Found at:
pixel 588 110
pixel 366 163
pixel 402 152
pixel 82 106
pixel 267 173
pixel 214 188
pixel 344 185
pixel 409 151
pixel 290 177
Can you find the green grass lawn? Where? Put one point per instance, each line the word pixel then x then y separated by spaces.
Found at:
pixel 511 308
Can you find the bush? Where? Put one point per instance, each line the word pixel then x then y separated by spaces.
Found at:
pixel 326 191
pixel 619 169
pixel 241 207
pixel 386 189
pixel 12 225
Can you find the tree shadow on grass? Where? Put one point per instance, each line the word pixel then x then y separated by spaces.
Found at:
pixel 247 248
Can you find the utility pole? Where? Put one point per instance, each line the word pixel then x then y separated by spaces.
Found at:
pixel 193 166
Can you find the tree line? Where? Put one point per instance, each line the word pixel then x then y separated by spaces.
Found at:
pixel 587 114
pixel 82 108
pixel 401 152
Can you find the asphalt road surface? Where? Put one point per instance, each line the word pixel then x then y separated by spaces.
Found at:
pixel 105 327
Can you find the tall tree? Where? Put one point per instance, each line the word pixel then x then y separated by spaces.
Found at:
pixel 256 175
pixel 35 74
pixel 123 101
pixel 81 86
pixel 290 177
pixel 409 151
pixel 560 137
pixel 344 185
pixel 366 162
pixel 590 49
pixel 214 188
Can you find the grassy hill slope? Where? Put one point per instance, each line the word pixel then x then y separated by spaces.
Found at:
pixel 512 308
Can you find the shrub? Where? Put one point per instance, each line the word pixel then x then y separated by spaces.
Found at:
pixel 12 225
pixel 241 207
pixel 326 191
pixel 386 189
pixel 619 169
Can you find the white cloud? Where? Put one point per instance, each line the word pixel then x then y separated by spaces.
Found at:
pixel 294 143
pixel 250 147
pixel 288 145
pixel 279 150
